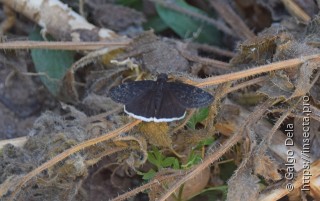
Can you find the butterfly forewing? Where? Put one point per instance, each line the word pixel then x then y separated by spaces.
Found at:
pixel 143 106
pixel 129 91
pixel 189 96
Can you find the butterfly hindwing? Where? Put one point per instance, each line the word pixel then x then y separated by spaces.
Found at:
pixel 170 109
pixel 145 107
pixel 189 96
pixel 129 91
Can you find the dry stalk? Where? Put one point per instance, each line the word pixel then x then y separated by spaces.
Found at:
pixel 205 61
pixel 221 92
pixel 60 45
pixel 9 21
pixel 147 186
pixel 69 152
pixel 232 18
pixel 296 11
pixel 290 63
pixel 248 83
pixel 91 162
pixel 213 49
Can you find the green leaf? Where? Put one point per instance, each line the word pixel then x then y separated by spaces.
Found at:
pixel 147 175
pixel 156 23
pixel 227 170
pixel 168 162
pixel 136 4
pixel 199 116
pixel 204 142
pixel 161 161
pixel 155 157
pixel 153 160
pixel 176 164
pixel 192 160
pixel 213 193
pixel 185 26
pixel 53 64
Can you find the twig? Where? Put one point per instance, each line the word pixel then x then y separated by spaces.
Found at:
pixel 213 49
pixel 296 11
pixel 9 21
pixel 248 83
pixel 232 18
pixel 206 61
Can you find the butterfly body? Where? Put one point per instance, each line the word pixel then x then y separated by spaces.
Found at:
pixel 159 101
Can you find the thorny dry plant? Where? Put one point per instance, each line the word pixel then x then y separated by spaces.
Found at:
pixel 285 69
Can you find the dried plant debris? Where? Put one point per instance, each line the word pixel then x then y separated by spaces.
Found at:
pixel 124 20
pixel 271 46
pixel 273 6
pixel 259 50
pixel 279 86
pixel 267 167
pixel 314 128
pixel 22 96
pixel 156 133
pixel 312 32
pixel 243 182
pixel 156 55
pixel 291 83
pixel 146 55
pixel 190 189
pixel 53 134
pixel 314 92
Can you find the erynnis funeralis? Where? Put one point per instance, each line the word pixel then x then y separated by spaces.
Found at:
pixel 159 101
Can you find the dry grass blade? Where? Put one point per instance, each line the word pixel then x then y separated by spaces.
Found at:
pixel 290 63
pixel 70 151
pixel 61 45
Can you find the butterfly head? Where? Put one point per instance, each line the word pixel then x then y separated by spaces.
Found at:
pixel 162 77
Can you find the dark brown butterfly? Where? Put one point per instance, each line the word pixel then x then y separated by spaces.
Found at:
pixel 159 101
